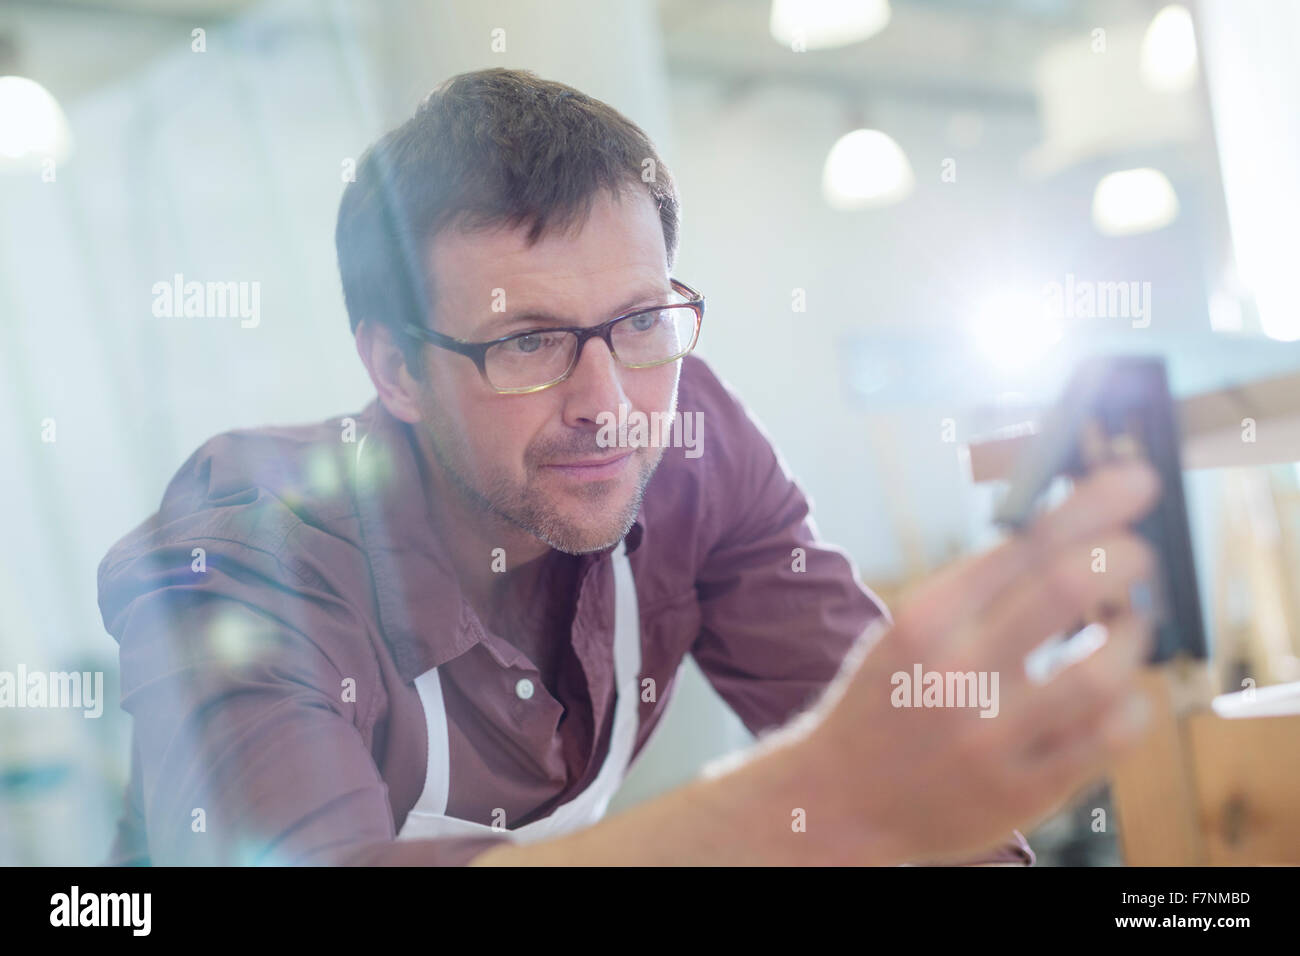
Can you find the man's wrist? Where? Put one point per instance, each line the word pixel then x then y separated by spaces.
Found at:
pixel 781 803
pixel 801 778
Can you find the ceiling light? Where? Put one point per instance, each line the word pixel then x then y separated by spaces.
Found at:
pixel 866 168
pixel 32 125
pixel 1169 51
pixel 1133 201
pixel 823 24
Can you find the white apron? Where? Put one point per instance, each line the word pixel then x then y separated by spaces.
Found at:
pixel 428 818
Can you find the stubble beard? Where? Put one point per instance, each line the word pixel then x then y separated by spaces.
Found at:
pixel 526 506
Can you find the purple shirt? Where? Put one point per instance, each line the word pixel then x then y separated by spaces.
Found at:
pixel 270 674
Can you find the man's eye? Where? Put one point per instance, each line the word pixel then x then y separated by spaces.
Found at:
pixel 644 323
pixel 528 344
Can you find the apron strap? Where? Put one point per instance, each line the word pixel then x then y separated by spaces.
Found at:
pixel 429 818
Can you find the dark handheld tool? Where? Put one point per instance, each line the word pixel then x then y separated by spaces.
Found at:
pixel 1120 407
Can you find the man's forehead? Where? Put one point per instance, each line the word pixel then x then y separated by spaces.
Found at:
pixel 537 287
pixel 561 300
pixel 621 230
pixel 616 258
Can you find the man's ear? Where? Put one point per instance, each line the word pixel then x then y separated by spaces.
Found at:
pixel 388 370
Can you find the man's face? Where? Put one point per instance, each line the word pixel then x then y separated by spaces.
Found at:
pixel 533 459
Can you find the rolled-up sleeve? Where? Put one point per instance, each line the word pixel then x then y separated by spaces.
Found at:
pixel 780 608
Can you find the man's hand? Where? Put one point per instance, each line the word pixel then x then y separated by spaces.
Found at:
pixel 883 785
pixel 943 782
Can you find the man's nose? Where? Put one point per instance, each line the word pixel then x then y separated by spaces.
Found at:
pixel 595 386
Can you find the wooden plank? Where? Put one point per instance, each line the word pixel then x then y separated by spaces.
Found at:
pixel 1208 789
pixel 1153 786
pixel 1210 429
pixel 994 459
pixel 1246 774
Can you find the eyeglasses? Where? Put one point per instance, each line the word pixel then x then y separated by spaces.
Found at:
pixel 530 361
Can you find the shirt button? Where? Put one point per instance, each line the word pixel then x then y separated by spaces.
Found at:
pixel 524 689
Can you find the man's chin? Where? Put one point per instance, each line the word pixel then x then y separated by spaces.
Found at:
pixel 575 548
pixel 577 535
pixel 585 523
pixel 578 518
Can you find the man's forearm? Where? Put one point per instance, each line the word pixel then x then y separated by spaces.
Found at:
pixel 741 818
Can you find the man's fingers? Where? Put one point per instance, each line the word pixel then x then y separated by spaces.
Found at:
pixel 1055 598
pixel 1085 757
pixel 1076 700
pixel 1112 496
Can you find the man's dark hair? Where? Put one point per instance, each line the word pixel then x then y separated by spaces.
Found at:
pixel 487 148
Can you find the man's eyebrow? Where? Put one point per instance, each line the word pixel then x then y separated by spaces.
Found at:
pixel 534 317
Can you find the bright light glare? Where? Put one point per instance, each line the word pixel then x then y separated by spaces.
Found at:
pixel 866 168
pixel 31 122
pixel 822 24
pixel 1133 201
pixel 1013 330
pixel 1266 257
pixel 1279 310
pixel 1169 51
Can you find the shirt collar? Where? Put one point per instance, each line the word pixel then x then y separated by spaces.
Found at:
pixel 422 612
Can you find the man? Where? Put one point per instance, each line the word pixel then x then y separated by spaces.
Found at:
pixel 440 630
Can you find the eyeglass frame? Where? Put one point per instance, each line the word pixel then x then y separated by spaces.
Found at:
pixel 477 351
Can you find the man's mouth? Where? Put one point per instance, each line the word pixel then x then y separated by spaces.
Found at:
pixel 593 467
